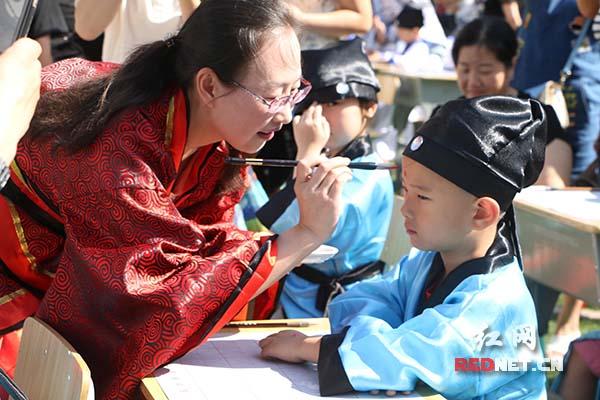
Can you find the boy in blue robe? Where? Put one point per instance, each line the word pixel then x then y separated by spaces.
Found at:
pixel 344 97
pixel 457 305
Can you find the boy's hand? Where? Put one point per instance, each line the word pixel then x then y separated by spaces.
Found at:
pixel 291 346
pixel 311 132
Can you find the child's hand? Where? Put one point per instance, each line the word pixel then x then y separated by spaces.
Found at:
pixel 291 346
pixel 311 132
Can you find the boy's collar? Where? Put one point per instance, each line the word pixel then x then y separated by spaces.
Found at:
pixel 358 147
pixel 500 254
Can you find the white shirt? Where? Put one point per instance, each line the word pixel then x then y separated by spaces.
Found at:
pixel 139 22
pixel 312 40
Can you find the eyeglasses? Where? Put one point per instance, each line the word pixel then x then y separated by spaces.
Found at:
pixel 276 104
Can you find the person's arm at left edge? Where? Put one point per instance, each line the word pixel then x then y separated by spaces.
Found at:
pixel 352 16
pixel 19 92
pixel 188 7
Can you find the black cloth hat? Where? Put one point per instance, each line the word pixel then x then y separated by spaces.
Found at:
pixel 339 72
pixel 489 146
pixel 410 17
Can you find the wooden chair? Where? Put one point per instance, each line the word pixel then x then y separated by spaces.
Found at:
pixel 49 368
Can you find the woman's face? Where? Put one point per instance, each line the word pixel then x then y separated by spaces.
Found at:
pixel 241 118
pixel 480 73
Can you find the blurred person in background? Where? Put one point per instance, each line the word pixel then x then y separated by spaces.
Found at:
pixel 412 53
pixel 126 24
pixel 510 10
pixel 387 12
pixel 324 22
pixel 548 38
pixel 48 21
pixel 485 52
pixel 454 14
pixel 69 44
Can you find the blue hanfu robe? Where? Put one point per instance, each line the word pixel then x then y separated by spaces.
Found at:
pixel 382 339
pixel 359 234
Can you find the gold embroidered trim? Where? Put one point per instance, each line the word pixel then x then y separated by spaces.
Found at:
pixel 13 295
pixel 169 128
pixel 21 235
pixel 15 169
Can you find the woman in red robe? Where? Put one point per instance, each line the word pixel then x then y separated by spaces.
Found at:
pixel 117 221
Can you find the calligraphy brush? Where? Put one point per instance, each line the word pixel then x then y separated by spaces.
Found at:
pixel 264 162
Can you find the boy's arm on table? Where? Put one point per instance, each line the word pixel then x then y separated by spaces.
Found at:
pixel 378 297
pixel 377 351
pixel 375 297
pixel 374 354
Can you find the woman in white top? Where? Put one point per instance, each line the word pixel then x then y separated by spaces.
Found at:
pixel 129 23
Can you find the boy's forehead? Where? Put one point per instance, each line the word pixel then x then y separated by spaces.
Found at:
pixel 415 170
pixel 419 174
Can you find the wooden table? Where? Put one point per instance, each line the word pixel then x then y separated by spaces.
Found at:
pixel 432 87
pixel 405 90
pixel 151 389
pixel 427 87
pixel 559 235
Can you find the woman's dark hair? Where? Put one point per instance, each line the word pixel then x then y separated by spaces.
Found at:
pixel 224 35
pixel 493 33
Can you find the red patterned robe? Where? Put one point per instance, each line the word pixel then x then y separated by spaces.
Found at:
pixel 131 271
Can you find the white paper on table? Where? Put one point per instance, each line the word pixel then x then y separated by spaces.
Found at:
pixel 228 366
pixel 577 204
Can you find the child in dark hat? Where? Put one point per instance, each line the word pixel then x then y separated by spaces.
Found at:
pixel 410 18
pixel 334 116
pixel 456 307
pixel 411 52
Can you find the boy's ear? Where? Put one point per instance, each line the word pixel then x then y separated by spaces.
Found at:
pixel 487 213
pixel 369 112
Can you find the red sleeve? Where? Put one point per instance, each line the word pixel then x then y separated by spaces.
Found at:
pixel 66 73
pixel 139 285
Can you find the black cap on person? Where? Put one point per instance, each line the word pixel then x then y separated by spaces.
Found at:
pixel 339 72
pixel 489 146
pixel 410 17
